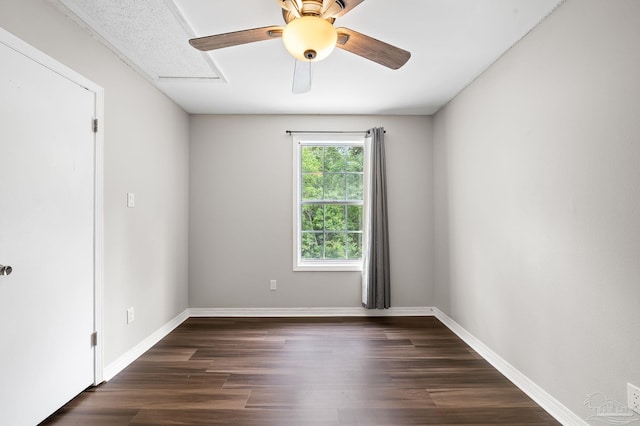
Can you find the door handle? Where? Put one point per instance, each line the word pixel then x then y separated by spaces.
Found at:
pixel 5 270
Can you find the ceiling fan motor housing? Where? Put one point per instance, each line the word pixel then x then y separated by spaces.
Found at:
pixel 314 8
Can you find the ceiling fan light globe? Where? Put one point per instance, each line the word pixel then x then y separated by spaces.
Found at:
pixel 309 34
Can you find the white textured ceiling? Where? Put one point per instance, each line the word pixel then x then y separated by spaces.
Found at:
pixel 451 42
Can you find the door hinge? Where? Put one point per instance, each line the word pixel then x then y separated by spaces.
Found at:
pixel 95 125
pixel 94 339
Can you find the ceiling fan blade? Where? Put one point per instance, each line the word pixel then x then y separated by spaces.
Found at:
pixel 301 77
pixel 292 6
pixel 235 38
pixel 338 8
pixel 372 49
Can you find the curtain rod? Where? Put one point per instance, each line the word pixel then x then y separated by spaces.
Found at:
pixel 290 132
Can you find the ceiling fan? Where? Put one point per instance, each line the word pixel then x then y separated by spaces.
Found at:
pixel 309 36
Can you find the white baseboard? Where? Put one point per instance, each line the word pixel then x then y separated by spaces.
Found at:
pixel 309 312
pixel 132 354
pixel 535 392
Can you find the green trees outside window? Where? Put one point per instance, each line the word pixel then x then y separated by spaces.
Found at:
pixel 331 202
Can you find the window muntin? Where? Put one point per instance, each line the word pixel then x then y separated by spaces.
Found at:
pixel 328 208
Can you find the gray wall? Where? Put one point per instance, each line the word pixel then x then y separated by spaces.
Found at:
pixel 241 213
pixel 146 152
pixel 537 171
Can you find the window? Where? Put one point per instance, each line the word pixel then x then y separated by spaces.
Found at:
pixel 328 202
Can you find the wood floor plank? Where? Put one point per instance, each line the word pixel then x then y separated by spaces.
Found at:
pixel 507 396
pixel 73 416
pixel 307 371
pixel 352 398
pixel 438 416
pixel 296 417
pixel 196 397
pixel 159 354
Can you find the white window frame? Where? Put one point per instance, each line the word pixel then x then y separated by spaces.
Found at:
pixel 324 139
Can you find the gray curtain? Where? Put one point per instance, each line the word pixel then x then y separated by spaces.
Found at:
pixel 376 287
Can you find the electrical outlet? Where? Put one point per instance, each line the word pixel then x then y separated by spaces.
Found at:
pixel 130 316
pixel 633 397
pixel 272 285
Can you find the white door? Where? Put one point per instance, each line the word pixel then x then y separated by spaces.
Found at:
pixel 46 236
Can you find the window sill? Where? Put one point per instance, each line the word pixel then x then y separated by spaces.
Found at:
pixel 328 267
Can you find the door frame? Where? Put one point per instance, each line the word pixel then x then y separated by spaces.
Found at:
pixel 46 61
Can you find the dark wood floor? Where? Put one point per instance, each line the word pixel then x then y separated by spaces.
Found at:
pixel 306 371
